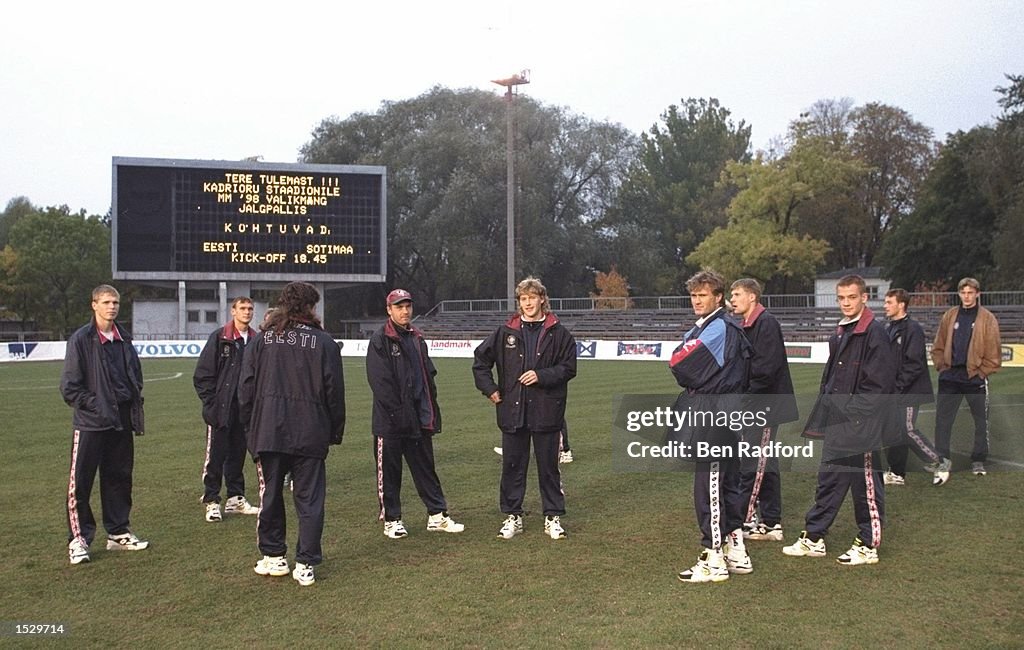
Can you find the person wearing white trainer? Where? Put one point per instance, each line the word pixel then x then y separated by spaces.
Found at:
pixel 850 415
pixel 102 383
pixel 711 365
pixel 405 418
pixel 216 383
pixel 535 357
pixel 292 403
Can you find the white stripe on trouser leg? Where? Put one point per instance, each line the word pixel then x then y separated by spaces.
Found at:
pixel 206 461
pixel 380 477
pixel 870 496
pixel 263 488
pixel 762 462
pixel 987 441
pixel 715 506
pixel 912 434
pixel 76 525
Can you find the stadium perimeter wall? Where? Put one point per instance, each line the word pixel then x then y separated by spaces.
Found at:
pixel 812 352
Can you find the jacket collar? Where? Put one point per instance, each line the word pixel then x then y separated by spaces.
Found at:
pixel 863 321
pixel 392 332
pixel 103 339
pixel 230 332
pixel 758 310
pixel 515 322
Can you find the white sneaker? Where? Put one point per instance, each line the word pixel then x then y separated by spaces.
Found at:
pixel 710 567
pixel 892 478
pixel 395 529
pixel 513 526
pixel 941 472
pixel 441 521
pixel 78 551
pixel 303 574
pixel 750 527
pixel 126 542
pixel 858 554
pixel 565 457
pixel 498 450
pixel 272 566
pixel 212 511
pixel 737 560
pixel 239 506
pixel 978 468
pixel 766 533
pixel 805 547
pixel 553 528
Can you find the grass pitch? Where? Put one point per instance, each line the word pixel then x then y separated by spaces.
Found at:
pixel 951 570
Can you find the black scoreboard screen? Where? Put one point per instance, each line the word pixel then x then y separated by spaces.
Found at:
pixel 217 220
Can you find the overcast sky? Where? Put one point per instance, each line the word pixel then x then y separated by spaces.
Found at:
pixel 83 82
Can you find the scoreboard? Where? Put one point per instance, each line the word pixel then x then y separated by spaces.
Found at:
pixel 221 220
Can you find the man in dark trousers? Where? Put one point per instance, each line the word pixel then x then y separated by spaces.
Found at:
pixel 216 382
pixel 770 391
pixel 535 357
pixel 102 382
pixel 292 403
pixel 913 388
pixel 405 418
pixel 851 414
pixel 966 352
pixel 711 365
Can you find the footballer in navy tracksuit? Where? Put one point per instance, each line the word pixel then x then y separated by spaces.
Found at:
pixel 216 382
pixel 851 415
pixel 406 417
pixel 770 391
pixel 292 401
pixel 913 385
pixel 535 357
pixel 711 364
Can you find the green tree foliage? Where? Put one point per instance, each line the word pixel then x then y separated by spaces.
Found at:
pixel 893 152
pixel 1004 185
pixel 949 233
pixel 53 260
pixel 445 154
pixel 17 208
pixel 669 201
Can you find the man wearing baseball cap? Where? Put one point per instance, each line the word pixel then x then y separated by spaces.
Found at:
pixel 405 418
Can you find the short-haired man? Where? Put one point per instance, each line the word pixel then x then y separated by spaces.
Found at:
pixel 966 351
pixel 851 417
pixel 216 382
pixel 711 365
pixel 405 419
pixel 535 357
pixel 913 388
pixel 102 382
pixel 770 389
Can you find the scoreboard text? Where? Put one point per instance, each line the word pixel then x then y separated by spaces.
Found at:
pixel 202 220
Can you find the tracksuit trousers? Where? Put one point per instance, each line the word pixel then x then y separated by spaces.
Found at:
pixel 112 452
pixel 760 484
pixel 515 461
pixel 225 457
pixel 862 476
pixel 419 455
pixel 309 491
pixel 947 402
pixel 717 500
pixel 912 439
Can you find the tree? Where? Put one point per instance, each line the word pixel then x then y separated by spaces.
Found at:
pixel 612 290
pixel 17 208
pixel 1003 183
pixel 669 201
pixel 53 261
pixel 949 233
pixel 445 154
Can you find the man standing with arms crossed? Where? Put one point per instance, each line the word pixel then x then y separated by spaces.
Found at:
pixel 216 383
pixel 405 419
pixel 850 415
pixel 913 388
pixel 102 382
pixel 966 352
pixel 770 392
pixel 535 357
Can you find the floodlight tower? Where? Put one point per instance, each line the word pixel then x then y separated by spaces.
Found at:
pixel 518 79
